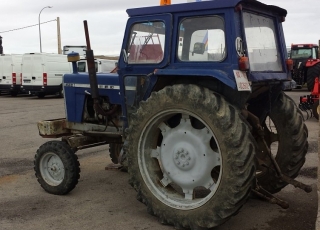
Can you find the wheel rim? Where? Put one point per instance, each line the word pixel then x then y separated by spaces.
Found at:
pixel 52 169
pixel 180 159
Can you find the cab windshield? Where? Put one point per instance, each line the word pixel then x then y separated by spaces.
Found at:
pixel 262 45
pixel 303 53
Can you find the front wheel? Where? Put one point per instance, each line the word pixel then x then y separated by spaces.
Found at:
pixel 57 167
pixel 190 157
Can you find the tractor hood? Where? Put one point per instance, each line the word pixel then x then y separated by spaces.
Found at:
pixel 77 86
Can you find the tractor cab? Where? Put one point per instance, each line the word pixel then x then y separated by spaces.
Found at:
pixel 304 51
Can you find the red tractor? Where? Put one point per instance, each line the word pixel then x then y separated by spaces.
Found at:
pixel 306 64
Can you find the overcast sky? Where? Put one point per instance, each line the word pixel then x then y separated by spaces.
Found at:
pixel 107 20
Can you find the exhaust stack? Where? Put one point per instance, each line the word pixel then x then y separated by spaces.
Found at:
pixel 93 78
pixel 91 65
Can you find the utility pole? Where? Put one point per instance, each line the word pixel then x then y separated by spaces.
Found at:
pixel 59 36
pixel 1 48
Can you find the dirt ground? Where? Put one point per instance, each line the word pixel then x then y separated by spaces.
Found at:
pixel 103 199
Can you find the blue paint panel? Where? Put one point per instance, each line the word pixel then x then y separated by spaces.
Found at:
pixel 267 76
pixel 75 86
pixel 226 78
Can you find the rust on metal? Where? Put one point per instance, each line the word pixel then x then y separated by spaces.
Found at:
pixel 80 141
pixel 297 184
pixel 53 128
pixel 270 198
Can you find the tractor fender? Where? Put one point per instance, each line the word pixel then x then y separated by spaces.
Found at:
pixel 312 62
pixel 222 76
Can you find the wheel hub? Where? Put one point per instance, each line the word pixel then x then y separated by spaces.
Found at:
pixel 183 159
pixel 186 157
pixel 52 168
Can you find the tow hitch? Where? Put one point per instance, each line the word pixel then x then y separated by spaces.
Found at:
pixel 267 162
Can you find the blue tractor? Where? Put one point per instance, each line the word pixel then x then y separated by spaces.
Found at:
pixel 195 112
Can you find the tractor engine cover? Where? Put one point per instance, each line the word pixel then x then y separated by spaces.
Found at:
pixel 76 88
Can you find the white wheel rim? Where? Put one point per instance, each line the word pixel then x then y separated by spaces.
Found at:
pixel 185 159
pixel 52 169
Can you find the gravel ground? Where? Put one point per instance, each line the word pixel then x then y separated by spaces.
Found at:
pixel 103 198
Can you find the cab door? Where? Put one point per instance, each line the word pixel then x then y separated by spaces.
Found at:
pixel 146 47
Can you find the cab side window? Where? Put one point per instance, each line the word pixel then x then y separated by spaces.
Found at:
pixel 202 39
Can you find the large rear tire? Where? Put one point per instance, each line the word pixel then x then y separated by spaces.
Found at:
pixel 312 73
pixel 190 157
pixel 286 135
pixel 57 167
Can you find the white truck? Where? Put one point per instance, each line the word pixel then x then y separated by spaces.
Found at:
pixel 10 73
pixel 101 65
pixel 42 73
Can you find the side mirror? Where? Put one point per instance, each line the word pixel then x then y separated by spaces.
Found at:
pixel 198 48
pixel 239 47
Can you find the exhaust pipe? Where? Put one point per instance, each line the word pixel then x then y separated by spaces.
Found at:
pixel 91 65
pixel 93 77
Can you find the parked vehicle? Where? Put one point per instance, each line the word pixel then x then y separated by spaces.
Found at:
pixel 78 49
pixel 10 71
pixel 195 112
pixel 42 73
pixel 306 64
pixel 101 65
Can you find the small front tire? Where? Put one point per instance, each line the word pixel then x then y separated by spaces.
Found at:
pixel 57 167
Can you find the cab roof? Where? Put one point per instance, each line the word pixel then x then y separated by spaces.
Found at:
pixel 205 5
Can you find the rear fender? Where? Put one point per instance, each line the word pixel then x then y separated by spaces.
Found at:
pixel 312 62
pixel 222 76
